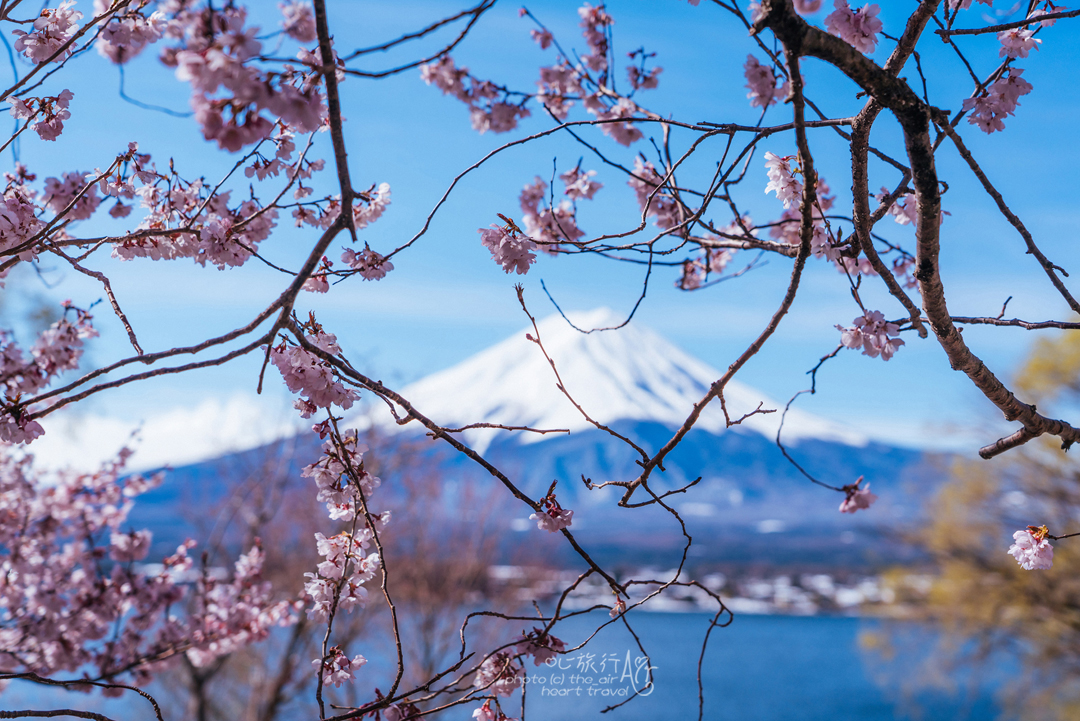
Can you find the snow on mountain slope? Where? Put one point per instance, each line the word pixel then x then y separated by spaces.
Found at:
pixel 626 374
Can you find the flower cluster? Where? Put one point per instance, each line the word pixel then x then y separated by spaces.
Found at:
pixel 237 613
pixel 52 30
pixel 227 235
pixel 856 498
pixel 488 106
pixel 57 349
pixel 54 111
pixel 595 22
pixel 624 133
pixel 1017 42
pixel 872 334
pixel 338 582
pixel 550 226
pixel 782 180
pixel 228 94
pixel 1031 549
pixel 369 264
pixel 858 28
pixel 543 647
pixel 510 247
pixel 298 21
pixel 306 373
pixel 337 668
pixel 761 82
pixel 74 597
pixel 988 111
pixel 499 674
pixel 127 32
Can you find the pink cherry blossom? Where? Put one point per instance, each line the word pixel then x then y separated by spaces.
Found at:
pixel 532 195
pixel 641 80
pixel 873 335
pixel 60 193
pixel 618 609
pixel 306 373
pixel 337 668
pixel 558 84
pixel 761 82
pixel 499 674
pixel 1001 99
pixel 1031 549
pixel 552 517
pixel 594 24
pixel 484 713
pixel 856 498
pixel 1017 42
pixel 369 264
pixel 807 7
pixel 51 31
pixel 298 21
pixel 580 184
pixel 542 37
pixel 509 248
pixel 782 180
pixel 59 600
pixel 858 28
pixel 543 647
pixel 128 32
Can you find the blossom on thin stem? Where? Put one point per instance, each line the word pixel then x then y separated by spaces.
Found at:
pixel 1032 549
pixel 552 517
pixel 856 498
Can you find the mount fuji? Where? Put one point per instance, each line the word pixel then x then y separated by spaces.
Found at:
pixel 751 503
pixel 629 374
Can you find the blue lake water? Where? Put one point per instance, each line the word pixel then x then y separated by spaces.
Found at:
pixel 761 668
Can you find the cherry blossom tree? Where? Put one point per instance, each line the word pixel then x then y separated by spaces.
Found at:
pixel 78 610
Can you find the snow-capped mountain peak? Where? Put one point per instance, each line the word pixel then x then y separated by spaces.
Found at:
pixel 626 374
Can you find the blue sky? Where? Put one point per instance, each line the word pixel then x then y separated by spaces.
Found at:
pixel 446 299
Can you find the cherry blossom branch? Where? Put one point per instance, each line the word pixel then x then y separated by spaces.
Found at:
pixel 475 12
pixel 499 426
pixel 1048 267
pixel 412 413
pixel 914 118
pixel 1008 26
pixel 809 198
pixel 83 682
pixel 333 104
pixel 54 713
pixel 101 278
pixel 783 417
pixel 119 5
pixel 520 289
pixel 1016 322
